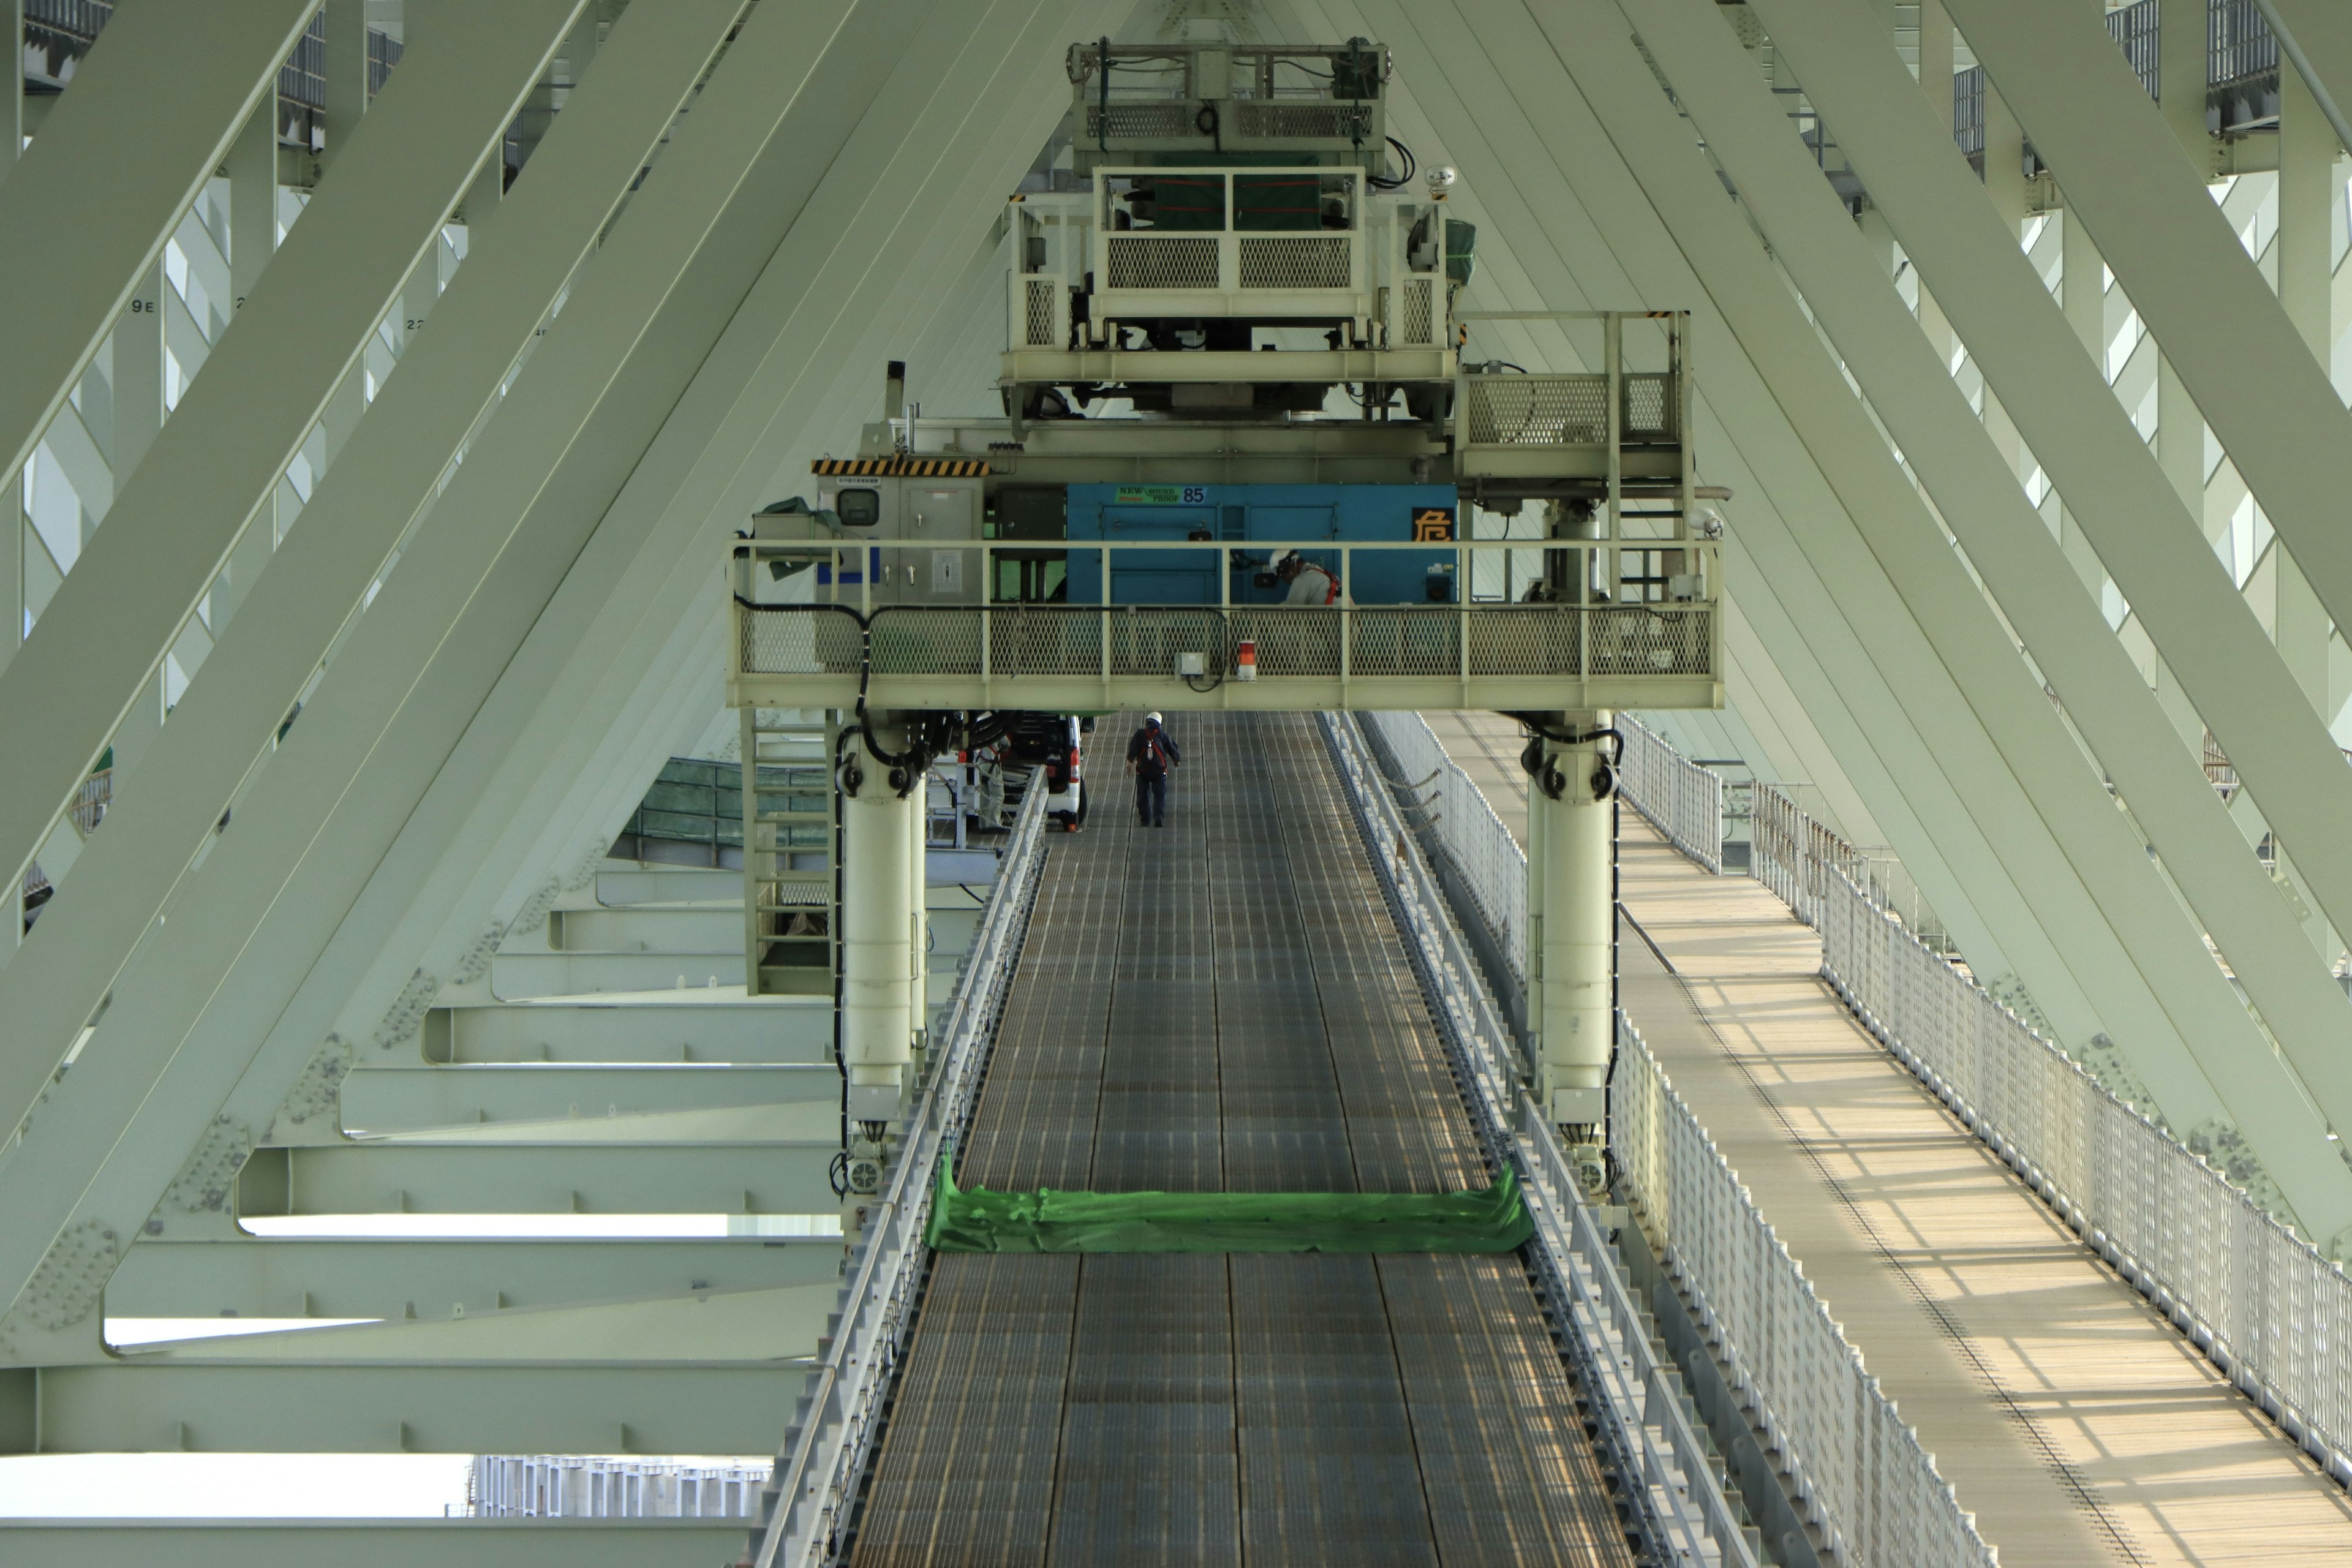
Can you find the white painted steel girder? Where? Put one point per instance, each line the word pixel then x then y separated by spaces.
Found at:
pixel 658 1408
pixel 663 286
pixel 556 1174
pixel 2148 539
pixel 258 1277
pixel 376 486
pixel 1854 298
pixel 379 1099
pixel 84 215
pixel 756 1326
pixel 179 513
pixel 877 927
pixel 1926 732
pixel 2217 321
pixel 2163 1000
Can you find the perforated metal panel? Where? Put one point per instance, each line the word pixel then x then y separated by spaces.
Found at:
pixel 1539 410
pixel 1138 120
pixel 1417 297
pixel 1177 261
pixel 1038 324
pixel 1307 261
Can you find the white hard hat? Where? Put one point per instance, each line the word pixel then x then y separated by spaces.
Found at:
pixel 1152 718
pixel 1283 558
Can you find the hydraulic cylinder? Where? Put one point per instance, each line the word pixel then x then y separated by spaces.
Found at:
pixel 878 920
pixel 1573 795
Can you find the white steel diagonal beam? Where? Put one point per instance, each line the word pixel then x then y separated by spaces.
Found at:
pixel 2268 400
pixel 2090 853
pixel 447 379
pixel 1853 295
pixel 2149 540
pixel 1951 799
pixel 323 813
pixel 563 777
pixel 2088 883
pixel 154 109
pixel 181 511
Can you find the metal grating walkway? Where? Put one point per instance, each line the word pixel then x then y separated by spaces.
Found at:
pixel 1224 1006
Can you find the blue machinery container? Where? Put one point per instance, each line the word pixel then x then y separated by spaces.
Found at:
pixel 1247 514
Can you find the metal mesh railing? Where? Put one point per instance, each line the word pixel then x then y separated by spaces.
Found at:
pixel 1537 410
pixel 1330 122
pixel 1037 313
pixel 1857 1470
pixel 1178 261
pixel 1313 261
pixel 1417 298
pixel 797 639
pixel 1152 121
pixel 2261 1302
pixel 1569 409
pixel 1479 850
pixel 1681 799
pixel 1067 640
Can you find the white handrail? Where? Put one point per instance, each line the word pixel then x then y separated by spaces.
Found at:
pixel 1682 800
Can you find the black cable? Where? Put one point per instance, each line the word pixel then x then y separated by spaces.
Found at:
pixel 1102 118
pixel 1411 166
pixel 1214 127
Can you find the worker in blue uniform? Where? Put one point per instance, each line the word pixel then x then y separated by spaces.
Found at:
pixel 1151 756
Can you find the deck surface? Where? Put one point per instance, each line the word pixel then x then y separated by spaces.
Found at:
pixel 1224 1005
pixel 2078 1424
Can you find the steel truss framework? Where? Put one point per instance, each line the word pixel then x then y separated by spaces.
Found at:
pixel 1972 602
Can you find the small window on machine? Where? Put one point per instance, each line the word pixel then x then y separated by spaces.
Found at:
pixel 859 508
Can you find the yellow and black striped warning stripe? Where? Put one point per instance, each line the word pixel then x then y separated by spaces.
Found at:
pixel 900 467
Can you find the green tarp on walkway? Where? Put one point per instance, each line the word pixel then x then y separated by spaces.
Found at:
pixel 1493 1220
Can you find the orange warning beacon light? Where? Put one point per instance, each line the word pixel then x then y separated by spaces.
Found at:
pixel 1246 659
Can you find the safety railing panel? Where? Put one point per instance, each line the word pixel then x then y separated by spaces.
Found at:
pixel 814 1485
pixel 1111 642
pixel 1856 1469
pixel 1681 799
pixel 2261 1302
pixel 2264 1304
pixel 1645 1421
pixel 1481 850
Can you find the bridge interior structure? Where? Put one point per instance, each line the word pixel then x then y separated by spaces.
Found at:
pixel 1752 597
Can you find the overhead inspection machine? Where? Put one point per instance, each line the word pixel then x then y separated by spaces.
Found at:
pixel 1233 330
